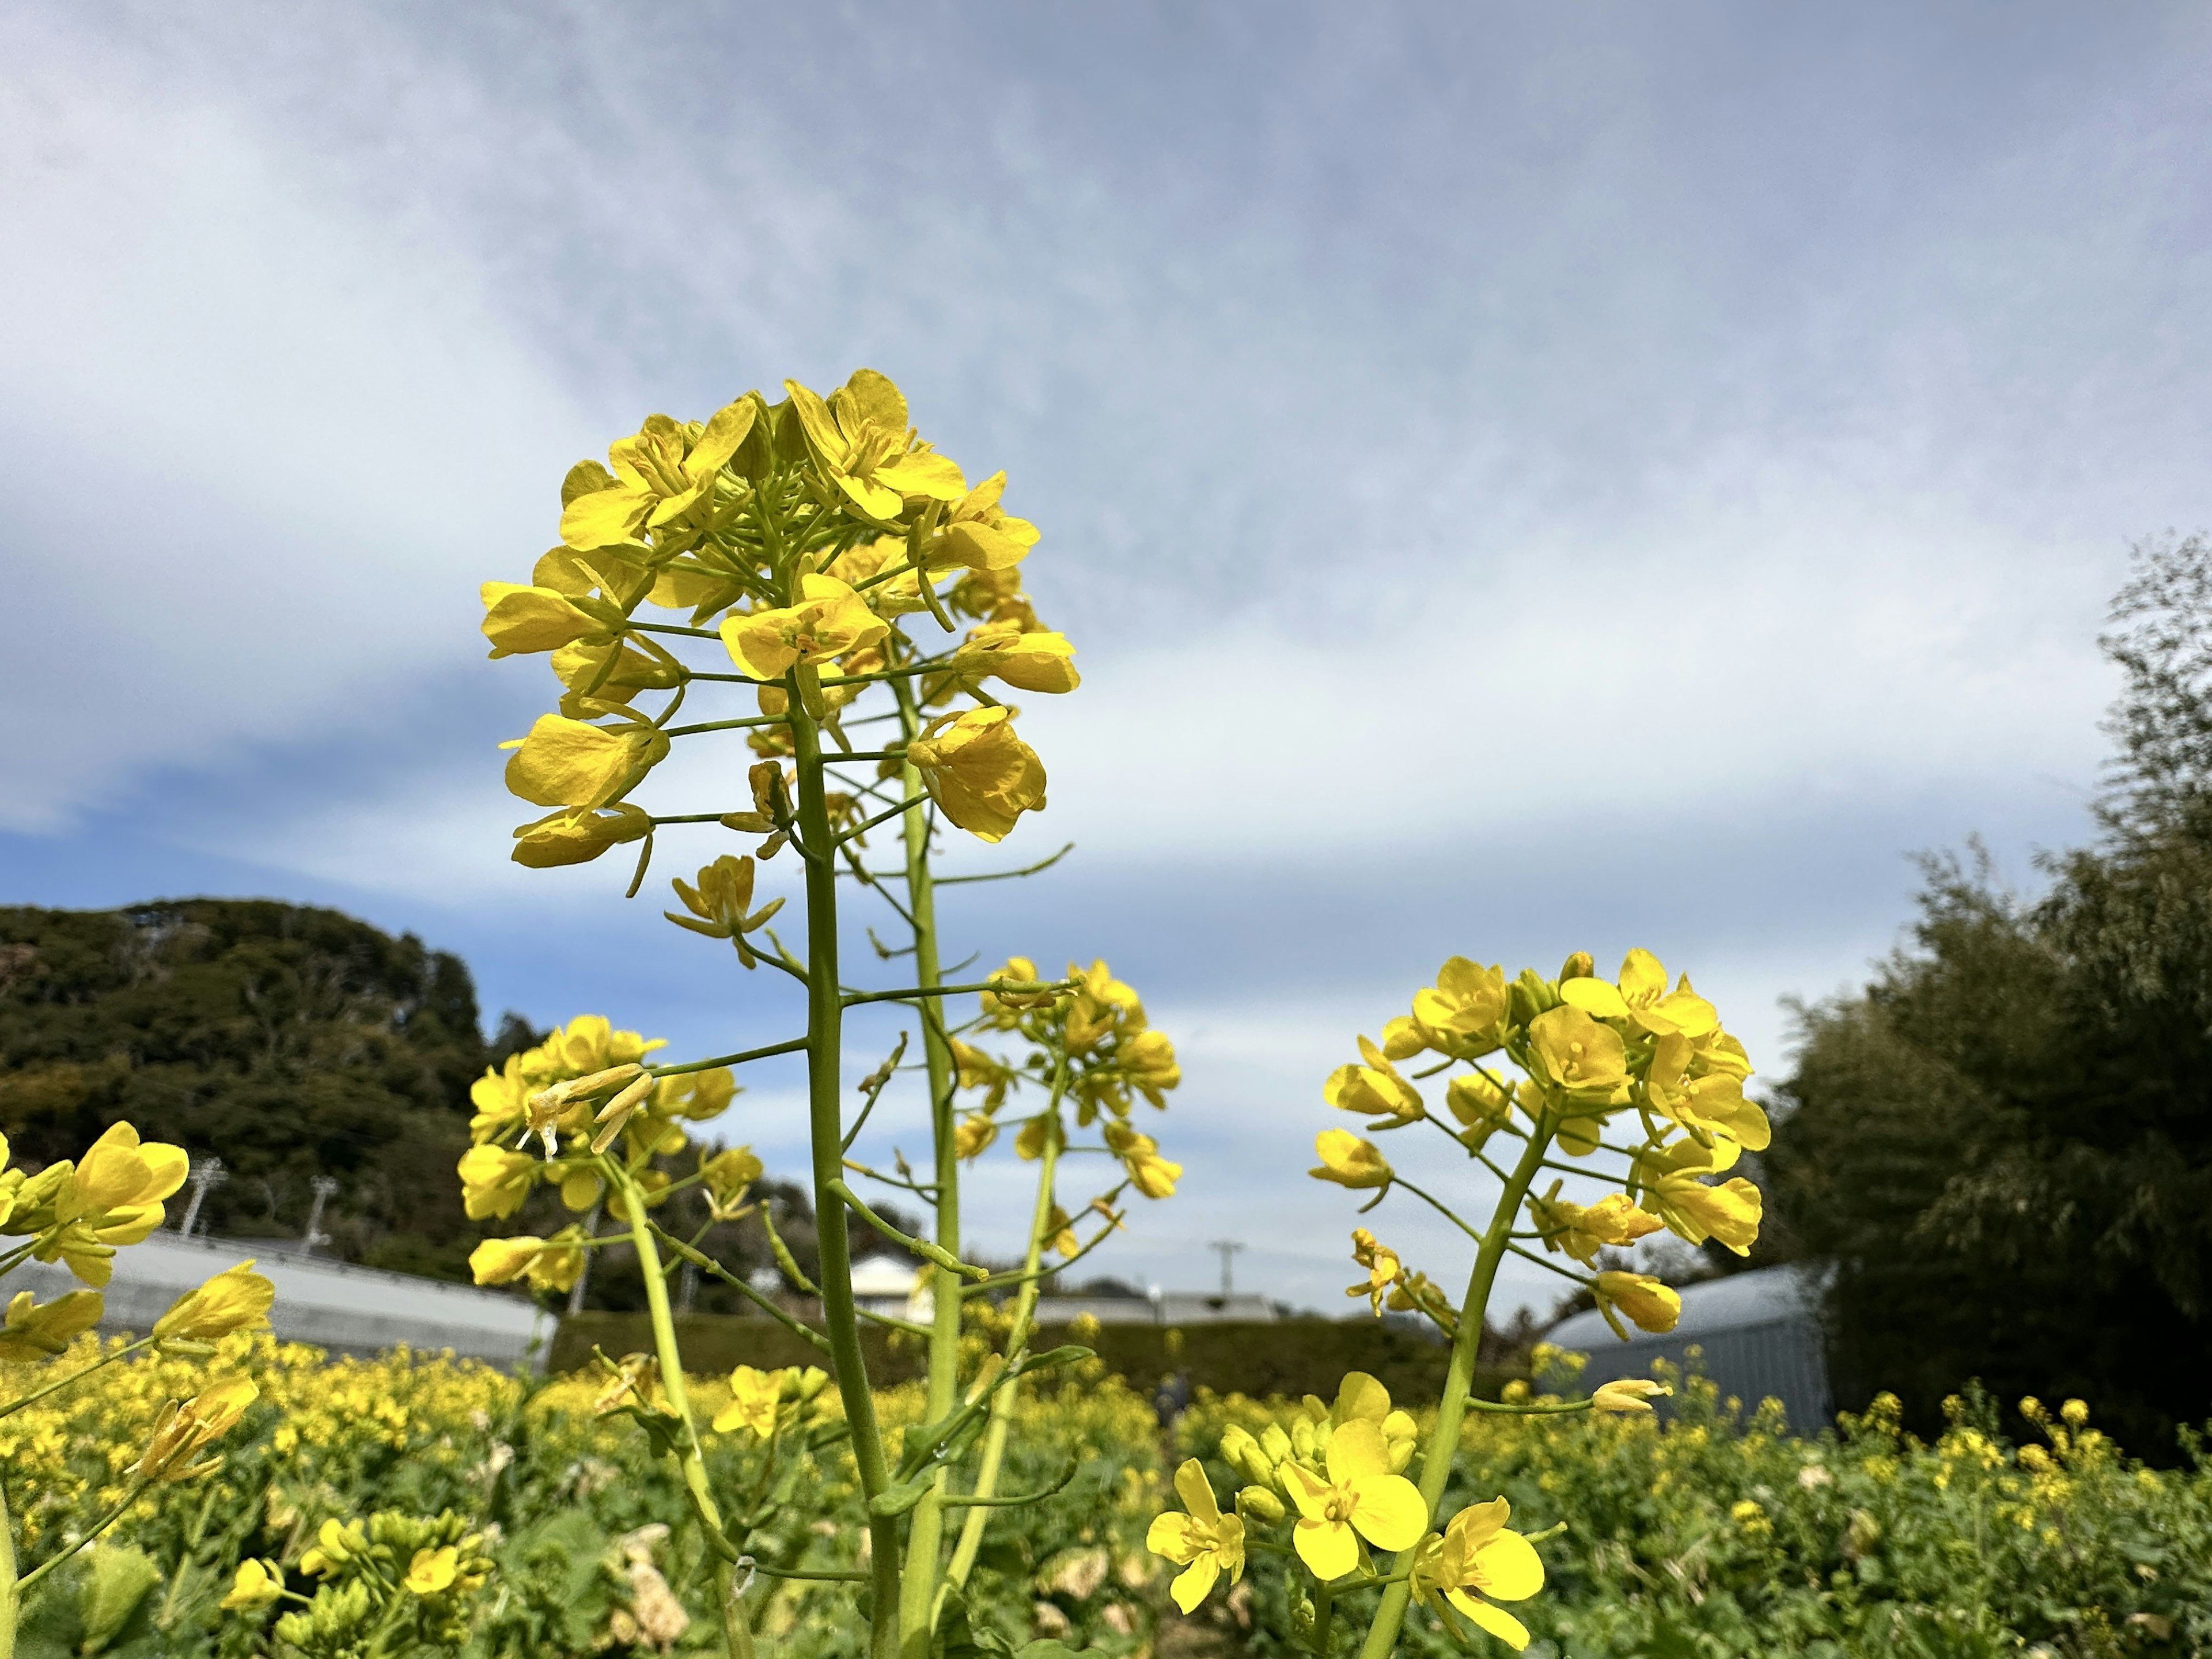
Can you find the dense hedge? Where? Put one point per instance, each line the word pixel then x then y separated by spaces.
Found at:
pixel 1292 1356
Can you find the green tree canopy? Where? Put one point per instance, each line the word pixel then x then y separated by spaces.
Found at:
pixel 2004 1143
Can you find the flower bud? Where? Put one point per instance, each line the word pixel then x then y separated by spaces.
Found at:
pixel 1258 1502
pixel 1302 1439
pixel 1274 1443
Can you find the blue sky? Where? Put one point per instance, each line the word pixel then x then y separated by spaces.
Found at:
pixel 1520 479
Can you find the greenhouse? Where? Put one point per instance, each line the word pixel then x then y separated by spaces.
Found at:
pixel 1758 1335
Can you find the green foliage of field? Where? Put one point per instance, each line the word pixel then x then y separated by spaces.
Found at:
pixel 1714 1536
pixel 1708 1537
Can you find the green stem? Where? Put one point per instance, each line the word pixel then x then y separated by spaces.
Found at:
pixel 1025 1300
pixel 926 1533
pixel 737 1637
pixel 8 1596
pixel 1459 1377
pixel 825 1014
pixel 1324 1607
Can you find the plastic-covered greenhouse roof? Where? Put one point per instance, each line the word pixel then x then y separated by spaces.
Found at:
pixel 1764 1296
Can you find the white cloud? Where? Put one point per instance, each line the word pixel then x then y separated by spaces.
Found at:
pixel 270 440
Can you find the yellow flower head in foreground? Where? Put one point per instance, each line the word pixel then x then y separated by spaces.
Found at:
pixel 660 474
pixel 1374 1088
pixel 184 1431
pixel 1652 1305
pixel 235 1299
pixel 1585 1063
pixel 258 1584
pixel 1029 661
pixel 1478 1562
pixel 122 1173
pixel 495 1182
pixel 1582 1230
pixel 830 620
pixel 432 1571
pixel 861 442
pixel 1203 1543
pixel 1627 1393
pixel 578 834
pixel 1349 1161
pixel 522 620
pixel 754 1396
pixel 979 771
pixel 1360 1498
pixel 40 1331
pixel 565 763
pixel 1463 1013
pixel 551 1264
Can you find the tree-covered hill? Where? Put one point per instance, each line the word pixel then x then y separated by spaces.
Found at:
pixel 292 1042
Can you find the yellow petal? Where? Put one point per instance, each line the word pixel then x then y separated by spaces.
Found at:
pixel 1510 1568
pixel 1192 1583
pixel 1310 1493
pixel 1360 1395
pixel 1499 1622
pixel 1327 1547
pixel 1358 1450
pixel 1594 997
pixel 1171 1535
pixel 1388 1510
pixel 1192 1487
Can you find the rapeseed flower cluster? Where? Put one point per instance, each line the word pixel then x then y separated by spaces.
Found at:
pixel 1629 1085
pixel 797 533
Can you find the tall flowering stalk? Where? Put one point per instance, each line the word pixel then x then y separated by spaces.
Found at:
pixel 821 553
pixel 1628 1089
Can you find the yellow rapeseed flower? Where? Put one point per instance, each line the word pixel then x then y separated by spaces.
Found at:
pixel 1155 1176
pixel 1203 1541
pixel 521 620
pixel 1374 1088
pixel 830 620
pixel 432 1571
pixel 1650 1304
pixel 185 1429
pixel 861 442
pixel 754 1397
pixel 495 1182
pixel 1349 1161
pixel 578 834
pixel 1463 1013
pixel 235 1299
pixel 258 1583
pixel 1584 1063
pixel 1627 1393
pixel 977 769
pixel 660 474
pixel 573 764
pixel 1477 1563
pixel 37 1331
pixel 1360 1498
pixel 1582 1230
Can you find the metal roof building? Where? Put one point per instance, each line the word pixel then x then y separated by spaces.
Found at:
pixel 1759 1333
pixel 347 1309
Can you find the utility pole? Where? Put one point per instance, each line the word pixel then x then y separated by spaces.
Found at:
pixel 1228 1246
pixel 207 1175
pixel 323 1185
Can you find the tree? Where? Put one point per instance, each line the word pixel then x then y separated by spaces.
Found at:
pixel 2005 1144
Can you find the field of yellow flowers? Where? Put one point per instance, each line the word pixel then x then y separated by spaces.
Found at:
pixel 1710 1535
